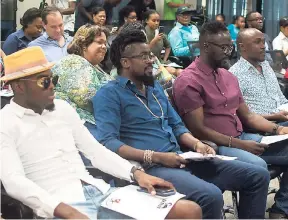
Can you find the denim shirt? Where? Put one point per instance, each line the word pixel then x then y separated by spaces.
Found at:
pixel 179 36
pixel 51 48
pixel 121 118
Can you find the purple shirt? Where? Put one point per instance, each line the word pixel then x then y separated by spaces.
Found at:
pixel 217 92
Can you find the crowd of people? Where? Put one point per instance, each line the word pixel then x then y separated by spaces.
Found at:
pixel 89 94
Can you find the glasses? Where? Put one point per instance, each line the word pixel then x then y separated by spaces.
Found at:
pixel 133 17
pixel 144 57
pixel 227 49
pixel 257 19
pixel 45 82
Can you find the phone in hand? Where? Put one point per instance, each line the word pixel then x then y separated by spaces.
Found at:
pixel 163 192
pixel 161 29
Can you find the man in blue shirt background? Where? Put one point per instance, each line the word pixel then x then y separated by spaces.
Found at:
pixel 53 42
pixel 182 33
pixel 135 120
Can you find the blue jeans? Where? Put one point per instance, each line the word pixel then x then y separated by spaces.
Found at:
pixel 203 183
pixel 91 207
pixel 276 154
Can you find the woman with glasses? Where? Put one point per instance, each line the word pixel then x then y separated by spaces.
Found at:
pixel 79 73
pixel 127 15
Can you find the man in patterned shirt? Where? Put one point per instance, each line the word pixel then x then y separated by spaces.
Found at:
pixel 257 80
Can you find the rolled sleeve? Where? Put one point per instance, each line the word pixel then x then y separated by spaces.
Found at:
pixel 10 45
pixel 107 113
pixel 187 95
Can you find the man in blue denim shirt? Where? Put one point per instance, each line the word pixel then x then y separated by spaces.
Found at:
pixel 135 120
pixel 182 33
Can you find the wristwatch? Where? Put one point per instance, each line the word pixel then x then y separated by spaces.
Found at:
pixel 133 170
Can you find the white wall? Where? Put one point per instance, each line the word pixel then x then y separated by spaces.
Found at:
pixel 24 6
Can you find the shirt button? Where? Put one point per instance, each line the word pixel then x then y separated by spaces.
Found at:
pixel 234 114
pixel 226 105
pixel 216 82
pixel 223 93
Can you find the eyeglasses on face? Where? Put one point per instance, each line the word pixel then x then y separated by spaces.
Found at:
pixel 257 19
pixel 226 48
pixel 45 82
pixel 143 57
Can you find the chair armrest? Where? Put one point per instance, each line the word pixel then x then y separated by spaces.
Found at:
pixel 211 144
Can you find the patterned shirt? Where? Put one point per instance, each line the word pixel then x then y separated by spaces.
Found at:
pixel 78 82
pixel 261 92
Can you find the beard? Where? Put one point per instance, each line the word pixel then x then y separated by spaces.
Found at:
pixel 147 80
pixel 50 107
pixel 226 64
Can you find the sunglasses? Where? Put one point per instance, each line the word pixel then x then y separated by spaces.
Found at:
pixel 45 82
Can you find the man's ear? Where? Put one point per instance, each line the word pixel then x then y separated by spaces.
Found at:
pixel 17 87
pixel 125 63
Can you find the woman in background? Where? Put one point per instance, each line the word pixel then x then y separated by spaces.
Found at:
pixel 234 28
pixel 79 73
pixel 99 16
pixel 127 15
pixel 31 29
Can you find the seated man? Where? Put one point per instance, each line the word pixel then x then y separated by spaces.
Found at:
pixel 210 102
pixel 135 119
pixel 54 41
pixel 281 41
pixel 40 141
pixel 183 32
pixel 257 80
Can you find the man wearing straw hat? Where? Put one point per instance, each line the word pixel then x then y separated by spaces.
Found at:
pixel 40 141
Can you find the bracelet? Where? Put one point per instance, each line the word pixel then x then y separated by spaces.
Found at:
pixel 195 145
pixel 148 157
pixel 230 141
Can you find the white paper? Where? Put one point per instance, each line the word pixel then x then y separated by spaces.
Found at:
pixel 283 107
pixel 200 157
pixel 175 65
pixel 273 139
pixel 139 205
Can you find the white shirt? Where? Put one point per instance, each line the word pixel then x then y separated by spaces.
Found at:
pixel 41 166
pixel 69 20
pixel 281 42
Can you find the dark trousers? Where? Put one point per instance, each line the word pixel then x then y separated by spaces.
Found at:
pixel 203 183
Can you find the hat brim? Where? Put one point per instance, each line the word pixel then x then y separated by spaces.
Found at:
pixel 186 12
pixel 27 72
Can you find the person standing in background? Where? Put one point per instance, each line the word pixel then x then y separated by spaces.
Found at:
pixel 170 8
pixel 67 8
pixel 108 6
pixel 142 6
pixel 281 41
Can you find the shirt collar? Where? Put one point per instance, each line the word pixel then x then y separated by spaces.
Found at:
pixel 46 36
pixel 21 111
pixel 124 82
pixel 20 33
pixel 282 36
pixel 203 66
pixel 245 65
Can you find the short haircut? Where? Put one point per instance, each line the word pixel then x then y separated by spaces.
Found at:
pixel 249 14
pixel 211 28
pixel 125 38
pixel 236 17
pixel 124 13
pixel 96 10
pixel 283 22
pixel 49 10
pixel 221 15
pixel 85 36
pixel 29 16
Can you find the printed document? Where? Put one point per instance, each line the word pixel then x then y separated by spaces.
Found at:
pixel 200 157
pixel 140 205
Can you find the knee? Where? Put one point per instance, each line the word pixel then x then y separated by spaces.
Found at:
pixel 263 174
pixel 211 197
pixel 260 162
pixel 185 209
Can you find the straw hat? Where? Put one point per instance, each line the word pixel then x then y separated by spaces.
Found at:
pixel 24 63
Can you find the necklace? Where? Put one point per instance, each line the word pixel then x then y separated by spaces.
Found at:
pixel 162 113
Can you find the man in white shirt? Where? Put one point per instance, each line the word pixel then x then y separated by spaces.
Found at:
pixel 40 143
pixel 67 8
pixel 281 41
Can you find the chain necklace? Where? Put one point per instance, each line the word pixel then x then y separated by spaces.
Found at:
pixel 162 113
